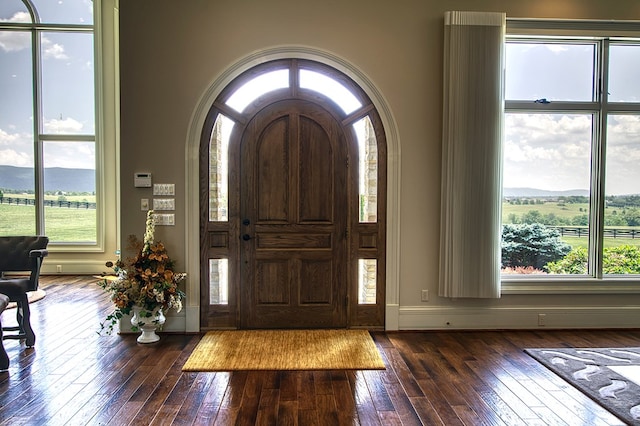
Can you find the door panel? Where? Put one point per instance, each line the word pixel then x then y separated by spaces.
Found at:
pixel 293 195
pixel 272 170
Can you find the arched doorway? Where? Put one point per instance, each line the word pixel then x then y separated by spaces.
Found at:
pixel 365 257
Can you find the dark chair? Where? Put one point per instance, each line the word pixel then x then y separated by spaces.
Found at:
pixel 4 358
pixel 21 254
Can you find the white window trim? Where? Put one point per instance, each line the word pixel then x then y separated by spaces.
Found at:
pixel 575 30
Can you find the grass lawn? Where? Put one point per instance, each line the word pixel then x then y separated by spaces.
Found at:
pixel 566 210
pixel 63 224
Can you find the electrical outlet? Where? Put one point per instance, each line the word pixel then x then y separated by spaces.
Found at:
pixel 424 296
pixel 58 268
pixel 542 319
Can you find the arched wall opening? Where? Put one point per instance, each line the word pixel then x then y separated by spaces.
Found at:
pixel 194 137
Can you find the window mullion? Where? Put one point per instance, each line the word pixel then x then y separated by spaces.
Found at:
pixel 598 166
pixel 37 131
pixel 551 106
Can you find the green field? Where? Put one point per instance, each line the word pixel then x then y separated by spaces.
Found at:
pixel 79 225
pixel 63 224
pixel 569 211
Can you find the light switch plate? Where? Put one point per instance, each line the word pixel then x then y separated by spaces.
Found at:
pixel 164 204
pixel 164 189
pixel 164 219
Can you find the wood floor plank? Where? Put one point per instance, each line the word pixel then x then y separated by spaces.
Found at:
pixel 73 376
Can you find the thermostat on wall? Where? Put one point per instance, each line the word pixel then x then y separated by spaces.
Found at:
pixel 142 180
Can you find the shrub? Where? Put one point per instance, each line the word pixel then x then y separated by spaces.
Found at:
pixel 573 263
pixel 532 245
pixel 616 260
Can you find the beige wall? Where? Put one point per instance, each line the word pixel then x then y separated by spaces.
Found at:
pixel 172 51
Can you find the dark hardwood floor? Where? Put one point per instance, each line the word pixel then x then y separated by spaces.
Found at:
pixel 74 376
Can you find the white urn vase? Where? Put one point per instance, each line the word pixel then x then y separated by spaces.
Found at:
pixel 147 322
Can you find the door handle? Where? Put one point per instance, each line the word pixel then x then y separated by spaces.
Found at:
pixel 246 237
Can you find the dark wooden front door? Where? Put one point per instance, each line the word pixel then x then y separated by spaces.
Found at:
pixel 293 219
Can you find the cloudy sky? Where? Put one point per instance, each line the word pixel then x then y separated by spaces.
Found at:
pixel 544 151
pixel 553 151
pixel 67 61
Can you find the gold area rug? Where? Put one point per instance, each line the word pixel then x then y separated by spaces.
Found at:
pixel 33 296
pixel 285 350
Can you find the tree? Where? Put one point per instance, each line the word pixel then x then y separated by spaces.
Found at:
pixel 632 216
pixel 531 245
pixel 532 216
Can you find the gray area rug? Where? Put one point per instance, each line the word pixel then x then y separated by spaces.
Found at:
pixel 601 373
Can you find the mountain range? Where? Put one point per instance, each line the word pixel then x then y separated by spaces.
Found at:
pixel 533 192
pixel 84 180
pixel 55 179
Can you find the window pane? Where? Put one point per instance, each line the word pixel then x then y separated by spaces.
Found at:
pixel 70 191
pixel 546 192
pixel 16 101
pixel 218 169
pixel 329 87
pixel 65 12
pixel 17 201
pixel 17 184
pixel 13 11
pixel 555 71
pixel 367 279
pixel 67 83
pixel 624 63
pixel 368 169
pixel 218 281
pixel 622 188
pixel 257 87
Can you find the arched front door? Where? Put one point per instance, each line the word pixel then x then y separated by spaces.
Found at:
pixel 292 202
pixel 293 205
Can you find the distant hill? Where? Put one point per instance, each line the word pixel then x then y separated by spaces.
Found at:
pixel 55 179
pixel 533 192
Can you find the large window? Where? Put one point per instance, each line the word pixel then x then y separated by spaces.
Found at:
pixel 571 182
pixel 47 120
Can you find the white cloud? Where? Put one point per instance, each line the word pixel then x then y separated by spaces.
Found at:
pixel 77 155
pixel 62 126
pixel 553 152
pixel 18 17
pixel 623 155
pixel 53 50
pixel 547 151
pixel 556 48
pixel 11 41
pixel 14 41
pixel 16 149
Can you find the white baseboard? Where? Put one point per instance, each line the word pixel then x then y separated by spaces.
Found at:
pixel 73 267
pixel 460 318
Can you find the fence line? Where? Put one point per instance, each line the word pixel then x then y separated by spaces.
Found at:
pixel 608 232
pixel 47 203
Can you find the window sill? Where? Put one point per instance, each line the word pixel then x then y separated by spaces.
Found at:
pixel 574 285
